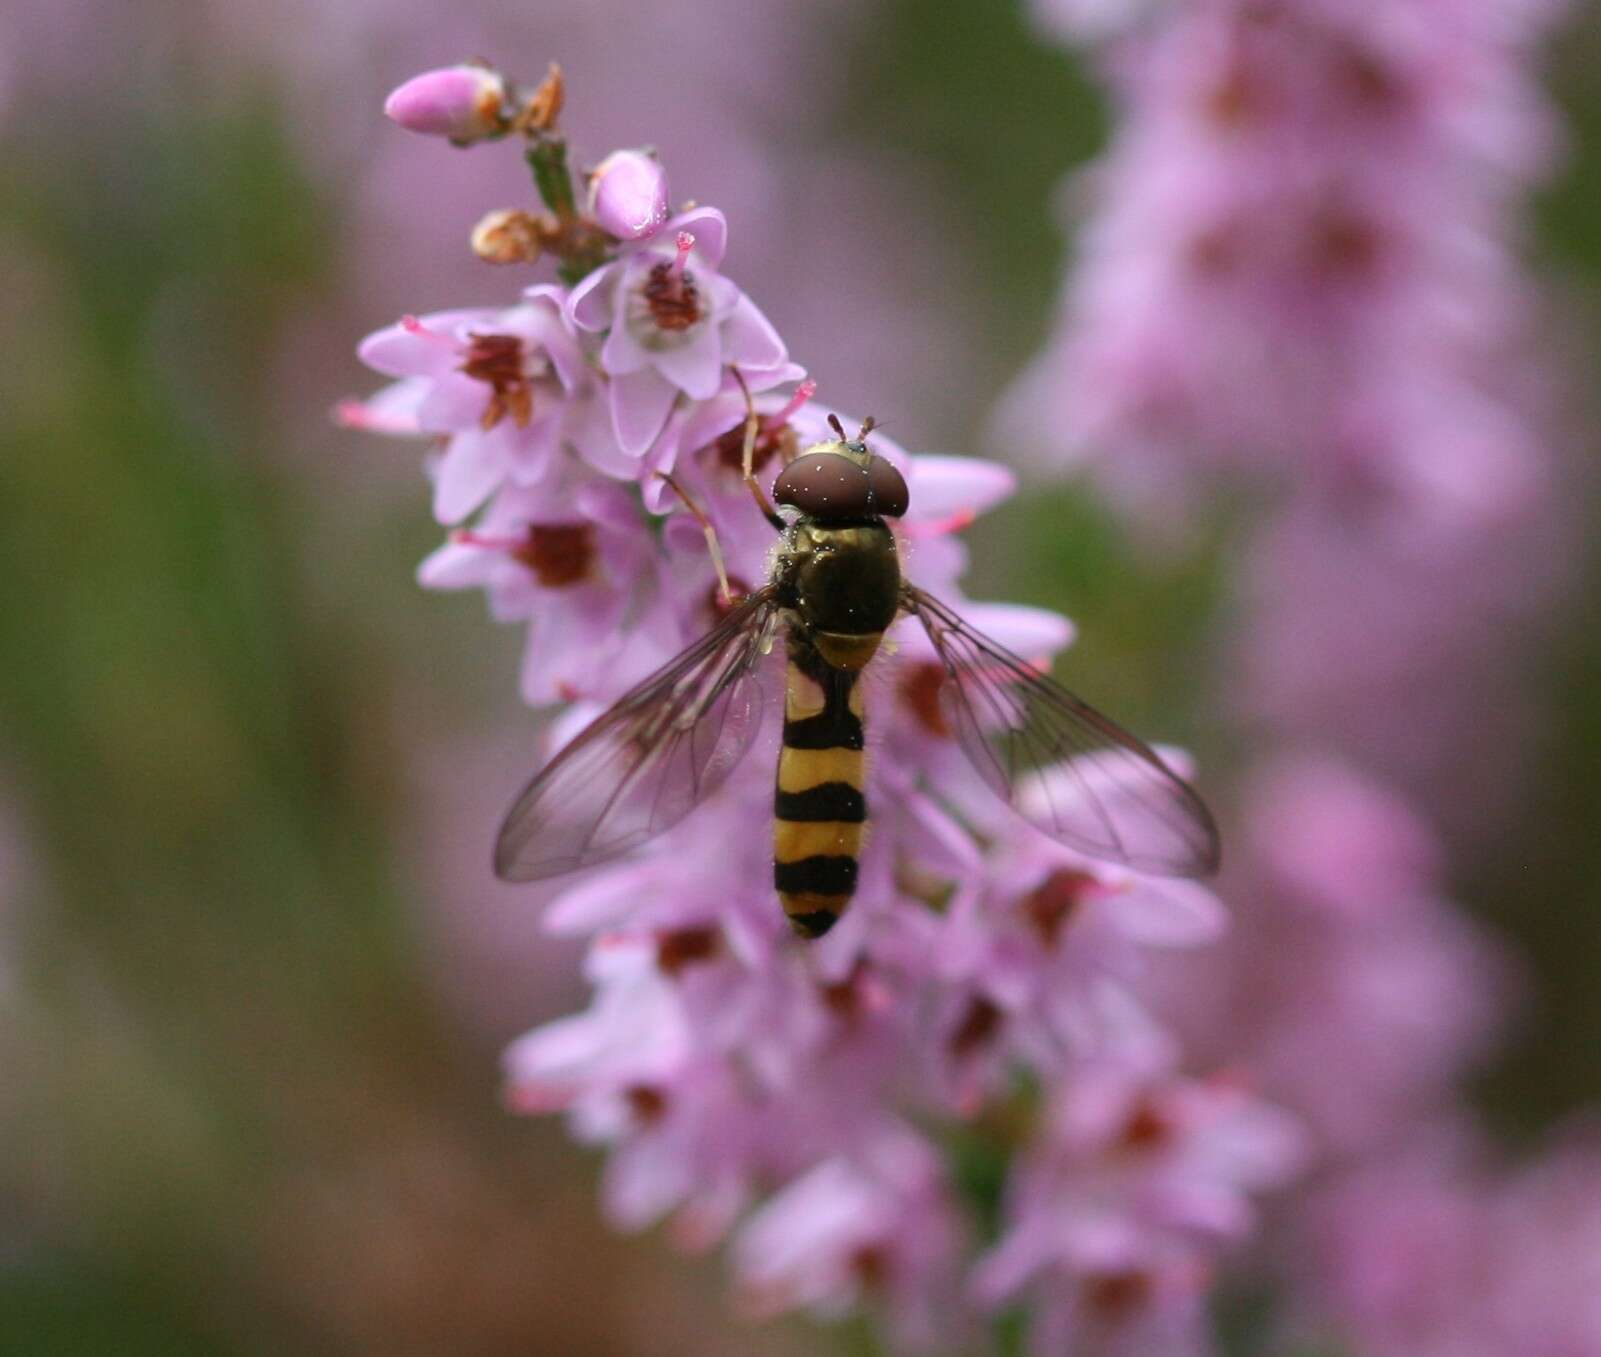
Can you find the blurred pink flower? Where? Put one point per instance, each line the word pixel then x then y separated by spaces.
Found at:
pixel 1352 990
pixel 1438 1251
pixel 876 1225
pixel 1117 1212
pixel 1296 260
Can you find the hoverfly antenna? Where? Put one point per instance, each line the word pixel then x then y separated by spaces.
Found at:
pixel 833 422
pixel 868 425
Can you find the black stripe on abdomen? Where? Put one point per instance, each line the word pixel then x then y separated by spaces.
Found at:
pixel 834 728
pixel 816 876
pixel 825 801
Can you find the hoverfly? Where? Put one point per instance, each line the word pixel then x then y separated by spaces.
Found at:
pixel 835 586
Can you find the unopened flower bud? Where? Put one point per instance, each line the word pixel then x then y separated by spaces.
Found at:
pixel 628 195
pixel 509 235
pixel 465 103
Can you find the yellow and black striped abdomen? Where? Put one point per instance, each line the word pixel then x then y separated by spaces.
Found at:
pixel 820 810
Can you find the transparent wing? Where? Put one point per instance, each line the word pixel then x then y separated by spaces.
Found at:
pixel 651 758
pixel 1075 774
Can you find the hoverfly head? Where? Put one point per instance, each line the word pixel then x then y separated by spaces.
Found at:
pixel 842 478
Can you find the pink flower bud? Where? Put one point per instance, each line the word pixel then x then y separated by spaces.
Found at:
pixel 464 103
pixel 628 195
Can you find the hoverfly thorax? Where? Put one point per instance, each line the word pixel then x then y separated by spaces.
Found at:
pixel 839 569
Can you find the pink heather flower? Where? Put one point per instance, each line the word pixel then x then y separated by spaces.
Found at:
pixel 684 1134
pixel 573 563
pixel 1296 261
pixel 628 195
pixel 703 444
pixel 1119 1210
pixel 672 325
pixel 1351 989
pixel 1439 1251
pixel 1381 642
pixel 464 103
pixel 1056 945
pixel 502 385
pixel 752 1073
pixel 874 1226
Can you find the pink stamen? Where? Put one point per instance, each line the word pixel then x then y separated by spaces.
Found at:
pixel 412 326
pixel 941 527
pixel 803 393
pixel 532 1098
pixel 355 414
pixel 489 542
pixel 686 243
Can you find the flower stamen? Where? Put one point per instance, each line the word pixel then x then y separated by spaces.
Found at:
pixel 681 947
pixel 1055 901
pixel 685 242
pixel 803 393
pixel 498 361
pixel 412 326
pixel 559 554
pixel 921 687
pixel 670 292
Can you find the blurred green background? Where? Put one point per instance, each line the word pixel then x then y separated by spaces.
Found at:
pixel 248 1088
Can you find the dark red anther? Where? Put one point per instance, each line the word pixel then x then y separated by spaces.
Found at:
pixel 681 947
pixel 559 554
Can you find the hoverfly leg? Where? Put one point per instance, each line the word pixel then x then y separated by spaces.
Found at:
pixel 714 548
pixel 753 426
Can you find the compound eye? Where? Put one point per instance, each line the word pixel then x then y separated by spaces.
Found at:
pixel 824 485
pixel 888 486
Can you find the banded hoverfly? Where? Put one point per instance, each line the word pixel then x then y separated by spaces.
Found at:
pixel 835 586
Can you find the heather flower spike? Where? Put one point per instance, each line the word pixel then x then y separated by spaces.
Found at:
pixel 1299 270
pixel 585 440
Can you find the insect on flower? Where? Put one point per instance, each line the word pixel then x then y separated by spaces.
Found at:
pixel 835 587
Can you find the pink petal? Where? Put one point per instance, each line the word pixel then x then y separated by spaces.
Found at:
pixel 454 402
pixel 622 353
pixel 707 225
pixel 398 352
pixel 944 486
pixel 455 566
pixel 1168 914
pixel 589 304
pixel 696 368
pixel 640 403
pixel 550 328
pixel 749 339
pixel 1031 633
pixel 467 475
